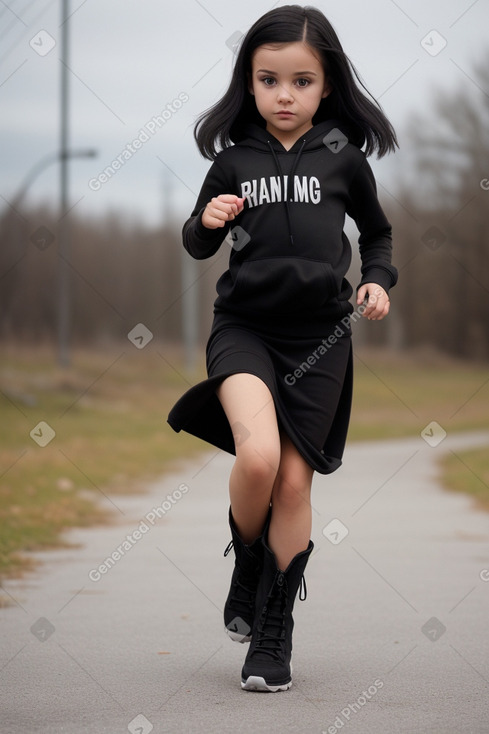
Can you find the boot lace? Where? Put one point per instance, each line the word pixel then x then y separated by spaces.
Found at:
pixel 272 624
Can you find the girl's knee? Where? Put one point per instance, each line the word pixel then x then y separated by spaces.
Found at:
pixel 258 465
pixel 288 496
pixel 293 483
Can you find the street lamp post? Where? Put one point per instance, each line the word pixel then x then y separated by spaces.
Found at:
pixel 63 235
pixel 40 167
pixel 62 155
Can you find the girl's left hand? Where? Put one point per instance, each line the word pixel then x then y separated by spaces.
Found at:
pixel 376 301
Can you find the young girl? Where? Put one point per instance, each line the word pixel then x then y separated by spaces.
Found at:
pixel 286 143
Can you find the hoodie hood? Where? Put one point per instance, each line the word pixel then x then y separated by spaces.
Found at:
pixel 257 137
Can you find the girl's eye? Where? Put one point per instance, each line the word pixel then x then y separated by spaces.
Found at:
pixel 302 82
pixel 268 81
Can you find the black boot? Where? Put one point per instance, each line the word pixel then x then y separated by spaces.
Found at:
pixel 239 609
pixel 267 666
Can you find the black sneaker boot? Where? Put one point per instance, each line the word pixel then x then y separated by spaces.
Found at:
pixel 239 609
pixel 267 666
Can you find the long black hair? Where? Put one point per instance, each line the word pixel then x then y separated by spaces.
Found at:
pixel 222 124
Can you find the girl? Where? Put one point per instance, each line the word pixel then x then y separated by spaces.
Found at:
pixel 286 143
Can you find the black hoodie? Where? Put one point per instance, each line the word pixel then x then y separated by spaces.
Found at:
pixel 288 252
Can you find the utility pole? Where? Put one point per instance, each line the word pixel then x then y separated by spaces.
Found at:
pixel 189 286
pixel 189 311
pixel 64 320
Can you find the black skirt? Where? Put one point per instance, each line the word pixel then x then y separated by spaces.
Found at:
pixel 308 370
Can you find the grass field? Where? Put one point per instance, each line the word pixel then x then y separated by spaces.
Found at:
pixel 468 472
pixel 398 395
pixel 109 409
pixel 109 414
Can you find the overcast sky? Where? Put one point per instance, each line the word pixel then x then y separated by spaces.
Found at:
pixel 132 61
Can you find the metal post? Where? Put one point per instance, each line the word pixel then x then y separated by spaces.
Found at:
pixel 63 234
pixel 189 285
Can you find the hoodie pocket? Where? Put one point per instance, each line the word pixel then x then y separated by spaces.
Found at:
pixel 284 284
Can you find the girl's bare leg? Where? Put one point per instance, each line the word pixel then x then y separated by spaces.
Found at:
pixel 250 410
pixel 290 526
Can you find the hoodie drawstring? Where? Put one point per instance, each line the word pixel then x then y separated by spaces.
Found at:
pixel 290 179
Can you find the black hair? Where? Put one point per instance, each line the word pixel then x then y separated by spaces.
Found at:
pixel 223 123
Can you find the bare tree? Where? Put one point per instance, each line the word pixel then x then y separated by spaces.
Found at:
pixel 442 228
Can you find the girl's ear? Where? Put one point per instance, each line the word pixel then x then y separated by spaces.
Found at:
pixel 250 84
pixel 328 88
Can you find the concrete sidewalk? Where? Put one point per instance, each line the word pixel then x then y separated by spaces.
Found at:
pixel 393 635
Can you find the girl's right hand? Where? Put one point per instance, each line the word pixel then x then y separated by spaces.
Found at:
pixel 221 209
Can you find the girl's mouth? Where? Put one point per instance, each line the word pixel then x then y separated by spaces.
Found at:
pixel 284 113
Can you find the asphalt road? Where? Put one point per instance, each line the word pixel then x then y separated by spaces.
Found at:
pixel 393 636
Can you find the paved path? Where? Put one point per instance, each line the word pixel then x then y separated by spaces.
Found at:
pixel 392 638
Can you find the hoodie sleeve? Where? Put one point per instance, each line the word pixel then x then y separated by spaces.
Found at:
pixel 200 241
pixel 375 239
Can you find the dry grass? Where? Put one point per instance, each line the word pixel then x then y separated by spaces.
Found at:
pixel 109 413
pixel 468 471
pixel 399 394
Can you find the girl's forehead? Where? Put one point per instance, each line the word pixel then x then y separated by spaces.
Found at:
pixel 295 53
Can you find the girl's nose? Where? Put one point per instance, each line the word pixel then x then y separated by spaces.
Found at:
pixel 284 94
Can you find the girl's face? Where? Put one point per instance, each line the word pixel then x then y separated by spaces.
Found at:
pixel 288 83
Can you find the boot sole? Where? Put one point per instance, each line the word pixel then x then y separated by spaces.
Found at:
pixel 257 683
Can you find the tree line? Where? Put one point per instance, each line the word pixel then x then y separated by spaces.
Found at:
pixel 441 225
